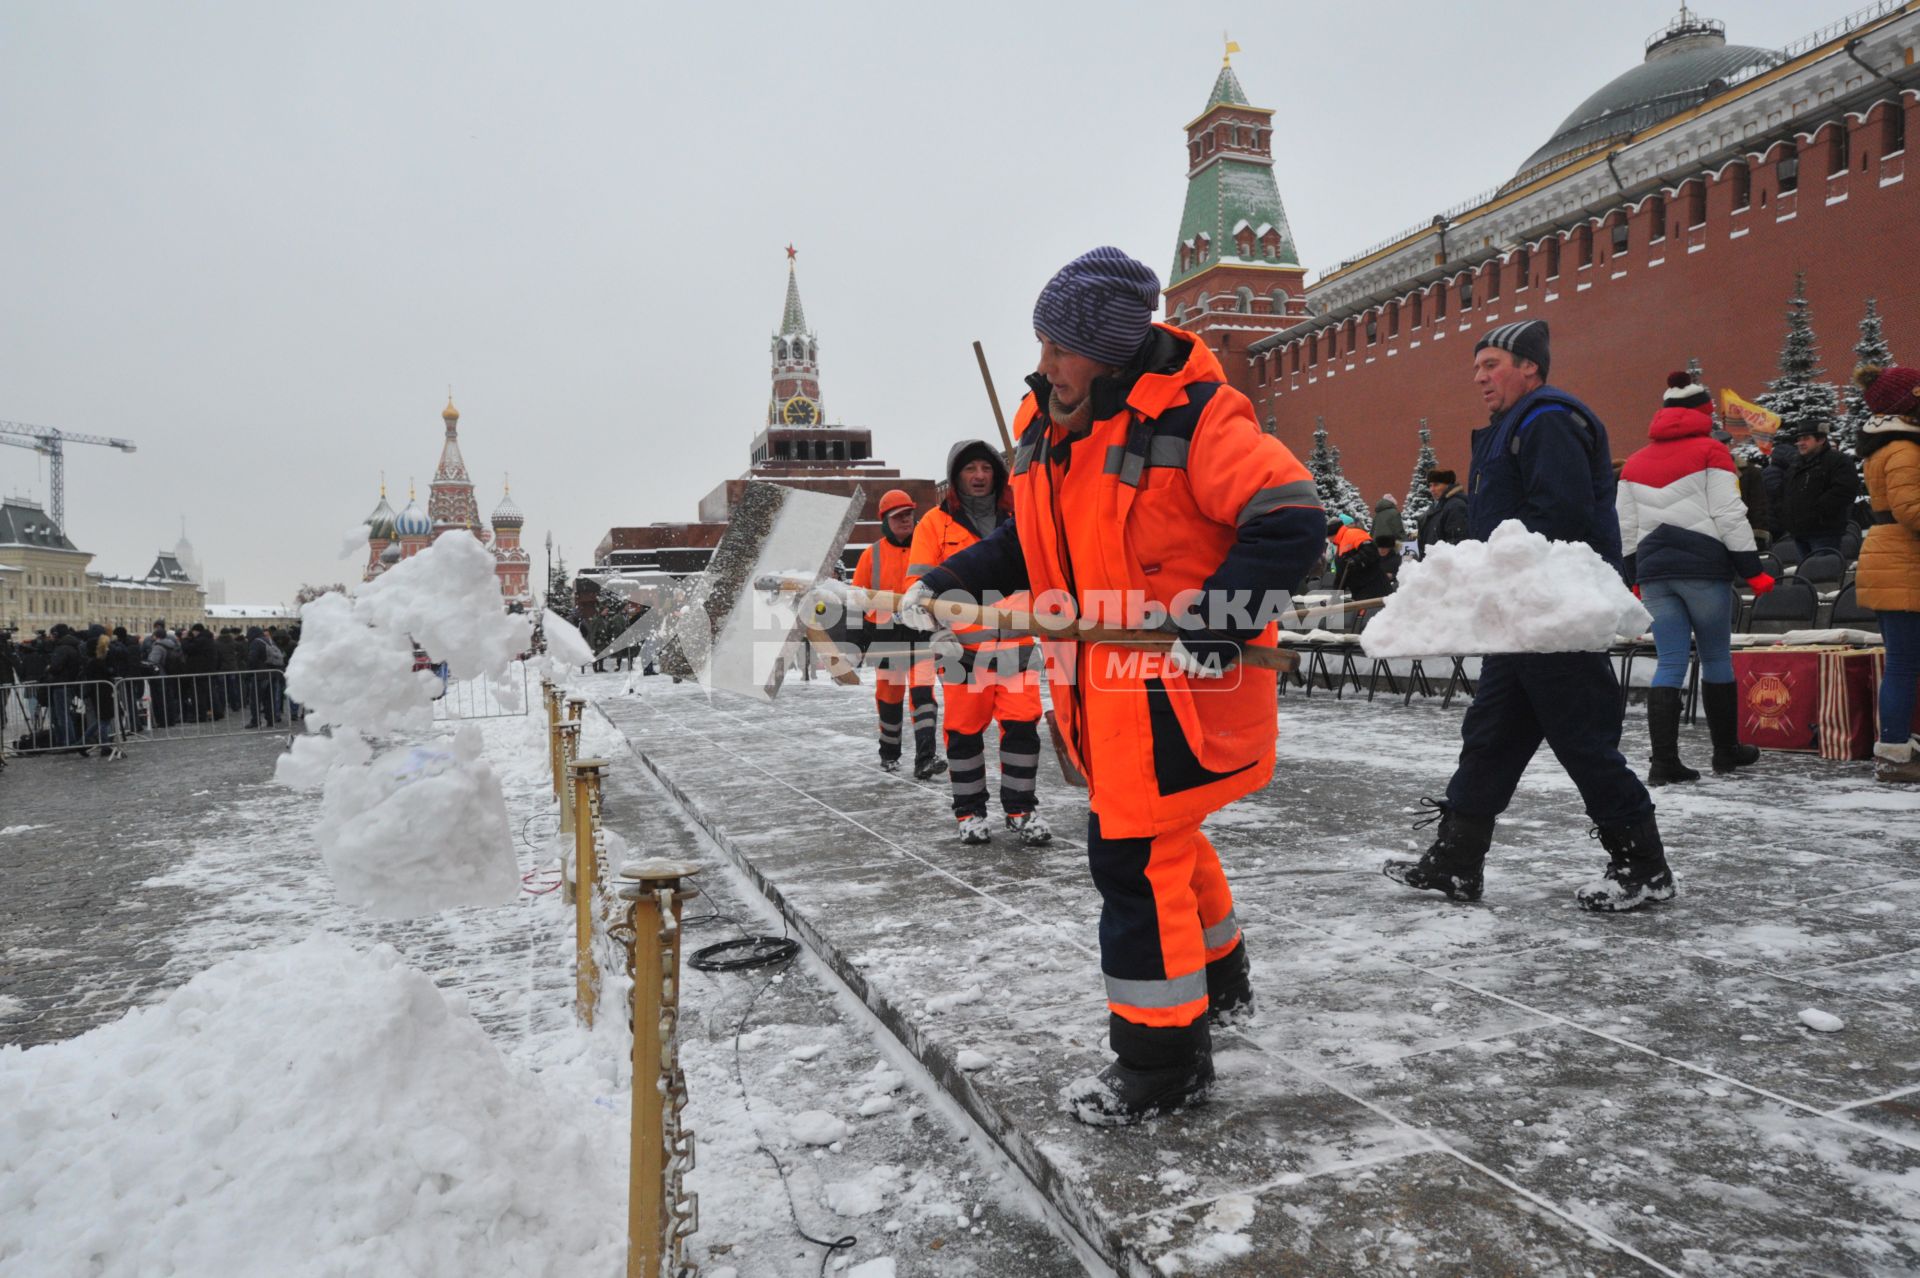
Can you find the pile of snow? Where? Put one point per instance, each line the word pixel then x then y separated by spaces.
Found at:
pixel 1514 592
pixel 250 1125
pixel 567 648
pixel 416 829
pixel 1825 1022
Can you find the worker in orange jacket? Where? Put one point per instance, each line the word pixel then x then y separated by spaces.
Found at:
pixel 1144 495
pixel 899 672
pixel 994 676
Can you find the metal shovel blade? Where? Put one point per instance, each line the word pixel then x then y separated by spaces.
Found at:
pixel 731 636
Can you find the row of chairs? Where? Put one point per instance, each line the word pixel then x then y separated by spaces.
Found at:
pixel 1822 567
pixel 1787 551
pixel 1795 604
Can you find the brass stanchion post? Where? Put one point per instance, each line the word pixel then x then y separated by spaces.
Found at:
pixel 660 1213
pixel 551 695
pixel 569 742
pixel 586 876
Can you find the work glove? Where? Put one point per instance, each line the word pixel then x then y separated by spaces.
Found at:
pixel 950 662
pixel 912 610
pixel 1202 658
pixel 1761 583
pixel 1635 590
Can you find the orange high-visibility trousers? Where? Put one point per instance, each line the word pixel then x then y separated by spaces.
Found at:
pixel 1166 913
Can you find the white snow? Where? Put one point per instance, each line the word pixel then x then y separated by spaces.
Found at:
pixel 866 1193
pixel 970 1060
pixel 422 828
pixel 288 1096
pixel 816 1127
pixel 959 998
pixel 1514 592
pixel 567 648
pixel 1825 1022
pixel 878 1267
pixel 17 829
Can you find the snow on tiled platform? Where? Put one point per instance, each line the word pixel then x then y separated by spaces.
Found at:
pixel 1508 1087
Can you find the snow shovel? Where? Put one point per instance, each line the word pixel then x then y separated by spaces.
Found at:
pixel 728 637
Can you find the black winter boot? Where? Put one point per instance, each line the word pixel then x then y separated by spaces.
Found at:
pixel 1158 1070
pixel 1636 872
pixel 1230 988
pixel 1663 725
pixel 1724 723
pixel 1453 864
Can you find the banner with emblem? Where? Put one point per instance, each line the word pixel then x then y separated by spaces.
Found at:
pixel 1746 420
pixel 1824 701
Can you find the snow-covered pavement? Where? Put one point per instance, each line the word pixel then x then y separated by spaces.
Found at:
pixel 235 1075
pixel 1508 1087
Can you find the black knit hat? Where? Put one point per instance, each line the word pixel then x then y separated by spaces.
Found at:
pixel 1525 340
pixel 1439 476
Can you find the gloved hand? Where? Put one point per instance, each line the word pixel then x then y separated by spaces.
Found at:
pixel 1761 584
pixel 1203 658
pixel 912 610
pixel 949 655
pixel 1635 590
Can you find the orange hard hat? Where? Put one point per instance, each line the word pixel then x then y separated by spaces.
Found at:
pixel 894 499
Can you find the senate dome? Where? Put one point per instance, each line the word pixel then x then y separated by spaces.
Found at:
pixel 1687 62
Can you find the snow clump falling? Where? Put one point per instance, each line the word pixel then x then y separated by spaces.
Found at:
pixel 245 1125
pixel 567 648
pixel 422 827
pixel 1514 592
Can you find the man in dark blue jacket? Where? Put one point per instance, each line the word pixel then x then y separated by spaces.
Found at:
pixel 1542 459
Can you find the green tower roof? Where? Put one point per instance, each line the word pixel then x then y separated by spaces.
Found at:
pixel 1227 90
pixel 1220 198
pixel 793 321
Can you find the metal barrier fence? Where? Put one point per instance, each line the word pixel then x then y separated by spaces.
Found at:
pixel 194 706
pixel 481 698
pixel 41 718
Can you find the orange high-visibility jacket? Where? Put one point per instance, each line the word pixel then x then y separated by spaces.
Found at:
pixel 1349 536
pixel 940 536
pixel 1151 503
pixel 882 566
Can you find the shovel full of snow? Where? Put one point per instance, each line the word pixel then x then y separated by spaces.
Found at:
pixel 733 638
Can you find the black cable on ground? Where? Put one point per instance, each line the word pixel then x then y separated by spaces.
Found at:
pixel 744 952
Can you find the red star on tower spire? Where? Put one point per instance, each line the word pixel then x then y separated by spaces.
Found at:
pixel 792 252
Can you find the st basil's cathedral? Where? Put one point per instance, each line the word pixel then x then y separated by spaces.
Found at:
pixel 450 506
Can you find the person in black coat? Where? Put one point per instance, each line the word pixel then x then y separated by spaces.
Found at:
pixel 1773 479
pixel 66 664
pixel 1543 460
pixel 203 661
pixel 1362 571
pixel 264 683
pixel 1445 520
pixel 1821 487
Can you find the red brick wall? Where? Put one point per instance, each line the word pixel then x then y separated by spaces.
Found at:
pixel 1716 292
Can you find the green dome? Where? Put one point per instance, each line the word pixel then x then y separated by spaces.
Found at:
pixel 1682 61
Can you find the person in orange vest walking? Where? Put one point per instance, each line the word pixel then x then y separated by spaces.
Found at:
pixel 1145 493
pixel 994 675
pixel 899 673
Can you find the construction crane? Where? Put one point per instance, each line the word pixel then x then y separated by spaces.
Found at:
pixel 49 443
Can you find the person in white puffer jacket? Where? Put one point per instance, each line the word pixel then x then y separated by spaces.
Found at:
pixel 1685 538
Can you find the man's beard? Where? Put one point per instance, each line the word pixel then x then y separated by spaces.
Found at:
pixel 1077 419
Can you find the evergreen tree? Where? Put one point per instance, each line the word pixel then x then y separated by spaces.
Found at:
pixel 1419 500
pixel 1803 402
pixel 1871 349
pixel 560 589
pixel 1337 492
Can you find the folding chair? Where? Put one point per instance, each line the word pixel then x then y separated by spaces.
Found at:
pixel 1792 605
pixel 1849 614
pixel 1822 568
pixel 1787 551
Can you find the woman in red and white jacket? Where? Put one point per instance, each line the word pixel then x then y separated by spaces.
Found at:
pixel 1685 537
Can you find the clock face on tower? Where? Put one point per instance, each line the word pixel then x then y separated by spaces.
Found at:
pixel 799 411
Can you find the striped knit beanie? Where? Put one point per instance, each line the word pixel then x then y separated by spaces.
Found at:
pixel 1525 340
pixel 1099 305
pixel 1684 392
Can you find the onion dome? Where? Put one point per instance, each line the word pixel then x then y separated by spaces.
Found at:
pixel 391 555
pixel 380 522
pixel 507 514
pixel 413 521
pixel 1688 61
pixel 449 413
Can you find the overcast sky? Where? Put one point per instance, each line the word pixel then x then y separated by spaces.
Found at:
pixel 261 239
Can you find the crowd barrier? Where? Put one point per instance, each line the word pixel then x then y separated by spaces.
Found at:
pixel 53 718
pixel 462 699
pixel 640 916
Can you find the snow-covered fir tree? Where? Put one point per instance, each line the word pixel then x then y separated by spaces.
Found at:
pixel 1337 493
pixel 1419 500
pixel 1871 349
pixel 1802 400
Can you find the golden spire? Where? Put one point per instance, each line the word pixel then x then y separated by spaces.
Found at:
pixel 506 483
pixel 1226 58
pixel 409 487
pixel 383 485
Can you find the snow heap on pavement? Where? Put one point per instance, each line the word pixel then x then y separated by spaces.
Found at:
pixel 1514 592
pixel 249 1125
pixel 419 828
pixel 567 648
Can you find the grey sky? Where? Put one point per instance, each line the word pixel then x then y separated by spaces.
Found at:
pixel 262 239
